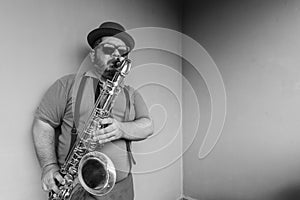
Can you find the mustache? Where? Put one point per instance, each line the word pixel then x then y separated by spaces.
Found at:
pixel 111 62
pixel 115 62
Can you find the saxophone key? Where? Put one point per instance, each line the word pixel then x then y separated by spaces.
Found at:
pixel 72 170
pixel 69 179
pixel 74 161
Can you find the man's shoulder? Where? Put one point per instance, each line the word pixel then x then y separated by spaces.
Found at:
pixel 67 81
pixel 67 78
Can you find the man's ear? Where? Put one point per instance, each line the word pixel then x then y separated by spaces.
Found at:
pixel 92 55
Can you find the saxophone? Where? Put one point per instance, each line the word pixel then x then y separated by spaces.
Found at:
pixel 92 169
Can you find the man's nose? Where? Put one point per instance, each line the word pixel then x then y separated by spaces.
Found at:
pixel 116 53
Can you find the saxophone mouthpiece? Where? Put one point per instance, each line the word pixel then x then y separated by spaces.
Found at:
pixel 117 62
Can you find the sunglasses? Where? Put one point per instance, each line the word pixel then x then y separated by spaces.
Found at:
pixel 109 49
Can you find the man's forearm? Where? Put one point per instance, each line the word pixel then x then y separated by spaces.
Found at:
pixel 44 140
pixel 138 129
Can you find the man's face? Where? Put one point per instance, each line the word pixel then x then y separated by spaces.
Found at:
pixel 106 52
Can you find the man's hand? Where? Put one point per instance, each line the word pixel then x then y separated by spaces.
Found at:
pixel 50 176
pixel 112 131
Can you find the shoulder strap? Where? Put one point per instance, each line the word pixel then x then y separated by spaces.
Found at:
pixel 76 113
pixel 126 118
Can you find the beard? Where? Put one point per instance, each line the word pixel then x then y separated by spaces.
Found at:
pixel 110 70
pixel 106 70
pixel 109 73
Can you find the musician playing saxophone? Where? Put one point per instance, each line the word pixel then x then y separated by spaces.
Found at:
pixel 54 117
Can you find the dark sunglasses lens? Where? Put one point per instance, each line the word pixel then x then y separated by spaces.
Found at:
pixel 122 51
pixel 108 50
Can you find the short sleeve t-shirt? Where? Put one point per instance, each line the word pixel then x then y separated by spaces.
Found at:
pixel 57 107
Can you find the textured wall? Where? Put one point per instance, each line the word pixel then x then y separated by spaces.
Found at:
pixel 255 45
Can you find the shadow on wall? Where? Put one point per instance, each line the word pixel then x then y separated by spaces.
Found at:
pixel 289 192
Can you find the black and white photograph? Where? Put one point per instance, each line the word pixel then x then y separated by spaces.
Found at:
pixel 150 99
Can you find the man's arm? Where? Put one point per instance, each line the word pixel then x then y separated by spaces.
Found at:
pixel 44 143
pixel 138 129
pixel 142 126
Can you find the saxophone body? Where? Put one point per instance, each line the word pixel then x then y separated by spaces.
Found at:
pixel 84 165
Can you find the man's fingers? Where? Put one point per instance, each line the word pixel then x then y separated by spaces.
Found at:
pixel 53 186
pixel 104 136
pixel 45 188
pixel 108 137
pixel 105 130
pixel 106 121
pixel 50 183
pixel 59 178
pixel 108 129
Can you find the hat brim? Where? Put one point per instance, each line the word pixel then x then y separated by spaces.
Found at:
pixel 96 34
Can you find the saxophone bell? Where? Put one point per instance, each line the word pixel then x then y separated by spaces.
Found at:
pixel 96 173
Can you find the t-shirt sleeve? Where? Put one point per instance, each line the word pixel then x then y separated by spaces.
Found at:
pixel 140 106
pixel 52 105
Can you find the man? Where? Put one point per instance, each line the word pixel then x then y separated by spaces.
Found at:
pixel 55 113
